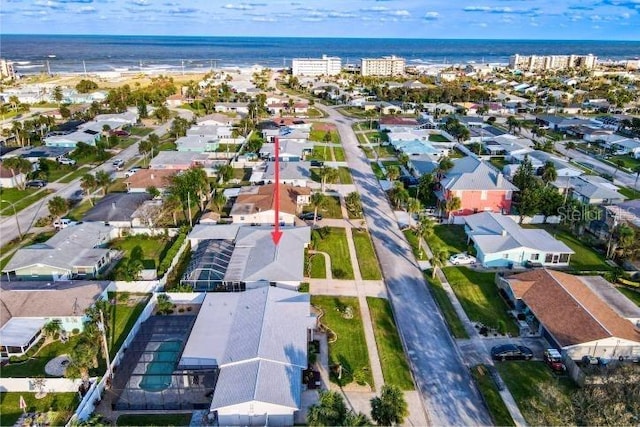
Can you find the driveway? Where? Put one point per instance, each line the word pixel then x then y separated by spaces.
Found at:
pixel 446 387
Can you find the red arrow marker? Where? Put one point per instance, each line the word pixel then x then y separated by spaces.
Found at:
pixel 276 234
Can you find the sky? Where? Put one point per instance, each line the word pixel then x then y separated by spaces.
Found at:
pixel 452 19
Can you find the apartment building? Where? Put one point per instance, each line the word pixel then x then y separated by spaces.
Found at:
pixel 551 62
pixel 385 66
pixel 6 69
pixel 325 66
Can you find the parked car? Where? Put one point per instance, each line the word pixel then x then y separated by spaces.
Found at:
pixel 118 163
pixel 63 223
pixel 511 352
pixel 408 180
pixel 119 133
pixel 553 359
pixel 316 163
pixel 463 258
pixel 309 216
pixel 66 161
pixel 589 360
pixel 131 171
pixel 36 183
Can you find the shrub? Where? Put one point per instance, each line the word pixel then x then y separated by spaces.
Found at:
pixel 166 261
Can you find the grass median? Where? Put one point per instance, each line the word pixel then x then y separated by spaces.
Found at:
pixel 367 260
pixel 333 240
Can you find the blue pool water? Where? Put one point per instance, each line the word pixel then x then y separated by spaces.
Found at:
pixel 158 373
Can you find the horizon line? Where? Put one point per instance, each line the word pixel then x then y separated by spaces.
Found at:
pixel 314 37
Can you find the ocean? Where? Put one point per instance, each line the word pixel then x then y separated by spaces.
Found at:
pixel 72 53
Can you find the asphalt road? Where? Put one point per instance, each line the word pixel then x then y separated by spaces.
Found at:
pixel 450 397
pixel 28 216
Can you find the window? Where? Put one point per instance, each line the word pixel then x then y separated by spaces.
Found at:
pixel 507 195
pixel 483 195
pixel 505 256
pixel 564 258
pixel 534 257
pixel 548 258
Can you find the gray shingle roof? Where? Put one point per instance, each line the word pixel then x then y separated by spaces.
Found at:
pixel 289 170
pixel 70 247
pixel 594 187
pixel 116 207
pixel 469 173
pixel 497 233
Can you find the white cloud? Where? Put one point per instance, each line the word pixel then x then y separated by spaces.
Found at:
pixel 241 6
pixel 401 12
pixel 87 9
pixel 431 16
pixel 263 19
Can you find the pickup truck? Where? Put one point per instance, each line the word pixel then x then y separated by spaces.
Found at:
pixel 63 223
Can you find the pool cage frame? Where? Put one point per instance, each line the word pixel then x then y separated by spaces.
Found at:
pixel 147 378
pixel 208 266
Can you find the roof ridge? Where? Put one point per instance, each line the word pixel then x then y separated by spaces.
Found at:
pixel 578 301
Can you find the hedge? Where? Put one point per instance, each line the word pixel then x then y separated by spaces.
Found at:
pixel 171 254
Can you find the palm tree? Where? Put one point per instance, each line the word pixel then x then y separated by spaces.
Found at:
pixel 393 172
pixel 172 204
pixel 619 164
pixel 390 408
pixel 424 185
pixel 317 200
pixel 424 230
pixel 413 206
pixel 452 204
pixel 103 180
pixel 327 175
pixel 82 356
pixel 17 166
pixel 52 329
pixel 512 123
pixel 58 206
pixel 88 185
pixel 570 145
pixel 403 158
pixel 329 411
pixel 549 172
pixel 438 260
pixel 637 171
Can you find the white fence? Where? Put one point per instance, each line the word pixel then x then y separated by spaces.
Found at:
pixel 536 219
pixel 163 281
pixel 186 297
pixel 51 385
pixel 93 396
pixel 141 286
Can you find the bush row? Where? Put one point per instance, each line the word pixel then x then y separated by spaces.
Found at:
pixel 165 263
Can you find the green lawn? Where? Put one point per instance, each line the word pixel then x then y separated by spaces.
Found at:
pixel 330 210
pixel 347 344
pixel 344 176
pixel 319 135
pixel 631 294
pixel 377 170
pixel 177 420
pixel 446 308
pixel 152 248
pixel 385 151
pixel 338 153
pixel 19 198
pixel 140 131
pixel 629 162
pixel 228 148
pixel 524 380
pixel 367 260
pixel 480 299
pixel 413 241
pixel 123 316
pixel 362 140
pixel 631 193
pixel 378 136
pixel 75 175
pixel 491 395
pixel 57 171
pixel 498 162
pixel 585 258
pixel 317 267
pixel 333 241
pixel 450 237
pixel 395 368
pixel 434 137
pixel 321 153
pixel 78 212
pixel 57 407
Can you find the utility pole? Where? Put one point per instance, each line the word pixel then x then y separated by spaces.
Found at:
pixel 189 203
pixel 103 329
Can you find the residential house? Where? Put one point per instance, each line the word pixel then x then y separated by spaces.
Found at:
pixel 183 160
pixel 539 158
pixel 75 252
pixel 70 140
pixel 28 307
pixel 627 146
pixel 590 189
pixel 34 154
pixel 10 180
pixel 289 150
pixel 509 145
pixel 256 204
pixel 238 257
pixel 478 186
pixel 397 124
pixel 175 101
pixel 297 174
pixel 623 213
pixel 217 119
pixel 500 242
pixel 140 181
pixel 232 107
pixel 579 315
pixel 117 210
pixel 590 133
pixel 260 368
pixel 560 123
pixel 197 144
pixel 422 164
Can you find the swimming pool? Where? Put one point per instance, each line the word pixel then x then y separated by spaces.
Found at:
pixel 158 374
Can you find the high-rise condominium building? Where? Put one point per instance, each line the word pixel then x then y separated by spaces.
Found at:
pixel 325 66
pixel 385 66
pixel 551 62
pixel 6 69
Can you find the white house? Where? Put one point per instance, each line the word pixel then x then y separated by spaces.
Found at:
pixel 260 367
pixel 9 180
pixel 500 242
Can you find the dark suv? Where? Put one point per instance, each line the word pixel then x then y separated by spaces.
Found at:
pixel 511 352
pixel 36 183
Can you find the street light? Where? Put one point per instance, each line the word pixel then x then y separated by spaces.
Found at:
pixel 15 214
